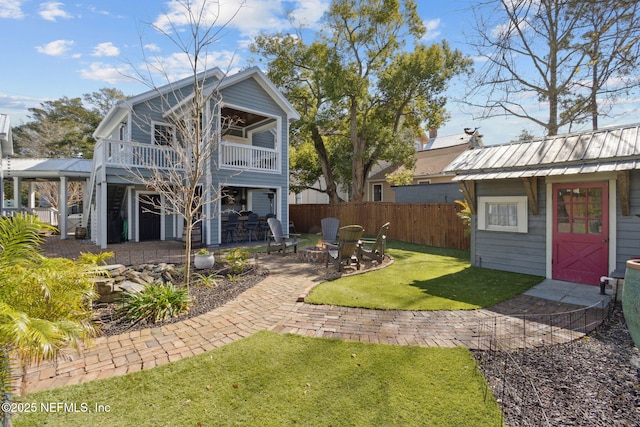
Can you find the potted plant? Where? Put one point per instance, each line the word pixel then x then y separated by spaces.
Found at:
pixel 203 259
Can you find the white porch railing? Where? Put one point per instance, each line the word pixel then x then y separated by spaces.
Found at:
pixel 243 157
pixel 126 154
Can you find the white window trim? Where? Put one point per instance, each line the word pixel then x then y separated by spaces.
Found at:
pixel 522 208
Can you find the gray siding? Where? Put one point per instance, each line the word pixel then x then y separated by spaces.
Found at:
pixel 428 193
pixel 517 252
pixel 628 232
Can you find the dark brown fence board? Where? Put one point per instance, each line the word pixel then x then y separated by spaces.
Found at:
pixel 433 224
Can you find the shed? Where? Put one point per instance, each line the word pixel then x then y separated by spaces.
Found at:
pixel 565 207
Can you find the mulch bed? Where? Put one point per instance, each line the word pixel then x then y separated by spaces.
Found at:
pixel 204 299
pixel 594 381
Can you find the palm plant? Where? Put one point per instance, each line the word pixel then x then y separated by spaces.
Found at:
pixel 45 303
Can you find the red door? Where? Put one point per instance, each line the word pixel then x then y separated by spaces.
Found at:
pixel 581 232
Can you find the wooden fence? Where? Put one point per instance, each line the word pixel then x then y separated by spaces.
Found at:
pixel 433 224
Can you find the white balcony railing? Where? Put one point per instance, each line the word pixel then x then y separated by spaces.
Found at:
pixel 124 154
pixel 241 156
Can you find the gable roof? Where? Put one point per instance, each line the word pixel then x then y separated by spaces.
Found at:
pixel 428 162
pixel 122 108
pixel 604 150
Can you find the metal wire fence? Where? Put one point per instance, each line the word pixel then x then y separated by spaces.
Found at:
pixel 503 340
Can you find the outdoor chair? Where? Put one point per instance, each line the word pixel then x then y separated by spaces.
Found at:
pixel 251 226
pixel 330 227
pixel 263 226
pixel 279 241
pixel 230 226
pixel 374 249
pixel 345 251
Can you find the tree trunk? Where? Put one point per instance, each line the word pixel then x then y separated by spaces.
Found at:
pixel 325 165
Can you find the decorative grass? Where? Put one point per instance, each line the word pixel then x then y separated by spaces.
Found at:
pixel 282 380
pixel 424 278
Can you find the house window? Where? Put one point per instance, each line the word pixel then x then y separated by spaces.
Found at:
pixel 506 213
pixel 122 132
pixel 163 134
pixel 377 192
pixel 424 181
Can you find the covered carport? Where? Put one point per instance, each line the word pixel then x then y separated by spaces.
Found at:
pixel 32 170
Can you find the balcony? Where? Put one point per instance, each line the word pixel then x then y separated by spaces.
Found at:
pixel 125 154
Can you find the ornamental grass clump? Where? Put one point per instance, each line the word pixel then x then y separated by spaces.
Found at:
pixel 158 302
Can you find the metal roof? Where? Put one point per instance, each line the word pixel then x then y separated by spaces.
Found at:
pixel 47 168
pixel 605 150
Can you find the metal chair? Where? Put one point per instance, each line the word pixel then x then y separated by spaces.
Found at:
pixel 251 226
pixel 230 226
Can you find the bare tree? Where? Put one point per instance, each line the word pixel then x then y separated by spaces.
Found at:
pixel 184 173
pixel 561 54
pixel 49 192
pixel 526 45
pixel 610 38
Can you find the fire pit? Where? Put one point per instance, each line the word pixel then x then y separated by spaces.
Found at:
pixel 313 254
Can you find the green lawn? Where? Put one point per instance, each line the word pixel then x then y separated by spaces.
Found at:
pixel 424 278
pixel 281 380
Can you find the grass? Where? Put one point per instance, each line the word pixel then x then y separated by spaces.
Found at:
pixel 270 379
pixel 424 278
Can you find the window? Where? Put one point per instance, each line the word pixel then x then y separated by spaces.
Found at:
pixel 122 132
pixel 507 213
pixel 377 192
pixel 163 134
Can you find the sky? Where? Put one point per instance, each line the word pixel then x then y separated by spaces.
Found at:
pixel 53 49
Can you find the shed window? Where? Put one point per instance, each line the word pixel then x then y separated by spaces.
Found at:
pixel 503 214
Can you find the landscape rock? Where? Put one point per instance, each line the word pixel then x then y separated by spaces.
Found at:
pixel 119 278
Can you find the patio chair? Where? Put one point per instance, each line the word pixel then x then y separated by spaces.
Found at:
pixel 251 226
pixel 230 226
pixel 279 241
pixel 375 249
pixel 330 227
pixel 345 251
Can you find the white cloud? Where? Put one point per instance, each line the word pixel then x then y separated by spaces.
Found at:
pixel 107 73
pixel 177 66
pixel 152 47
pixel 433 29
pixel 11 9
pixel 309 12
pixel 247 17
pixel 105 49
pixel 56 48
pixel 52 11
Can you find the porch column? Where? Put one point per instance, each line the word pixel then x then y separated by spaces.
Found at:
pixel 32 195
pixel 62 207
pixel 17 194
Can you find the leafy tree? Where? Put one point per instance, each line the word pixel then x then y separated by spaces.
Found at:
pixel 103 100
pixel 362 95
pixel 64 127
pixel 44 302
pixel 60 128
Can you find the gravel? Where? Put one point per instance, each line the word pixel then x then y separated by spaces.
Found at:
pixel 593 381
pixel 205 299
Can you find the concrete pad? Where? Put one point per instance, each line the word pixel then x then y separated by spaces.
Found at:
pixel 568 292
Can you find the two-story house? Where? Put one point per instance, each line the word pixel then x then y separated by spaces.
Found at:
pixel 249 165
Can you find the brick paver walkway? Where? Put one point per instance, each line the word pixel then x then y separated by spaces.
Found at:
pixel 273 305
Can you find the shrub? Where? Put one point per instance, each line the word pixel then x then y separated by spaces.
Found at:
pixel 156 303
pixel 209 281
pixel 237 260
